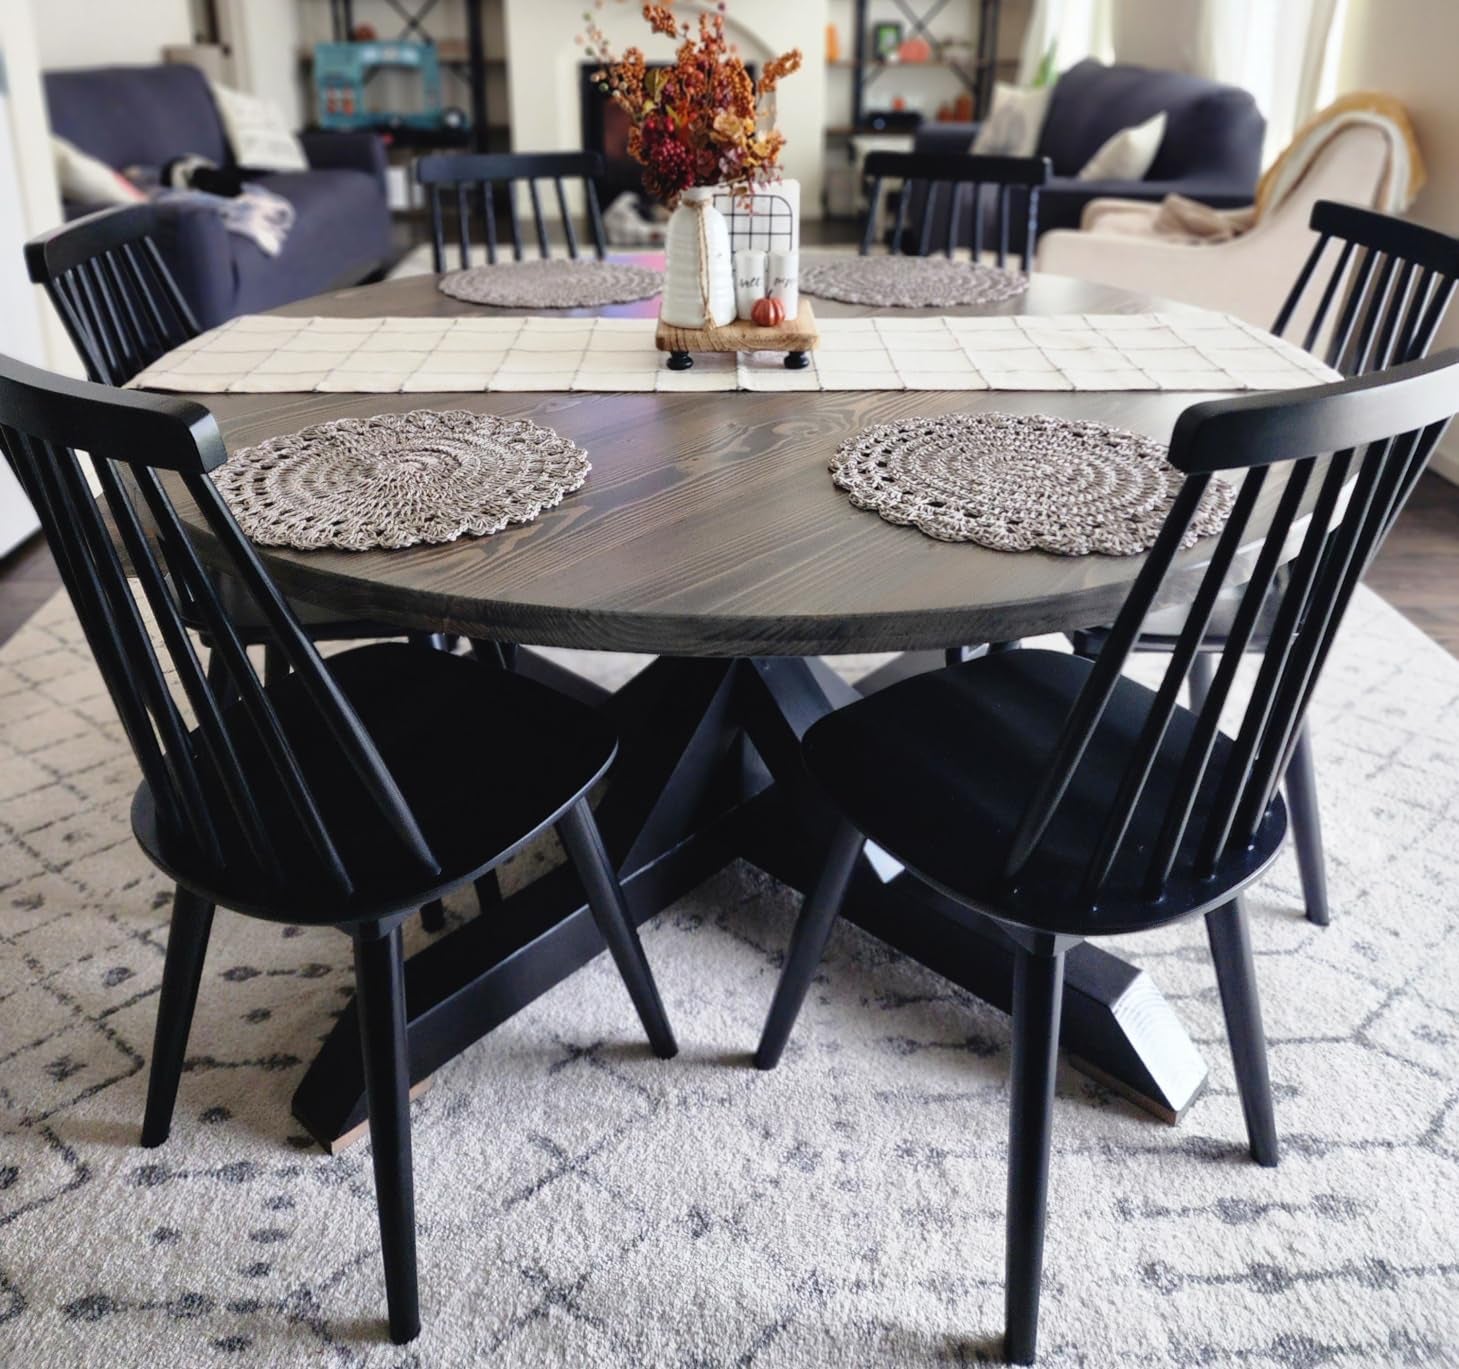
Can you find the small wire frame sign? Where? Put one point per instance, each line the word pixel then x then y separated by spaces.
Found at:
pixel 763 220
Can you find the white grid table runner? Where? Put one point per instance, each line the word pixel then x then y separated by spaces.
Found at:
pixel 263 354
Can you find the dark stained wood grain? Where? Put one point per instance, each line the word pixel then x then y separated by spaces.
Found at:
pixel 710 525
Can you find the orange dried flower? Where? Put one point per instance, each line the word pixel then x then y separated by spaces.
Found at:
pixel 660 20
pixel 701 120
pixel 778 68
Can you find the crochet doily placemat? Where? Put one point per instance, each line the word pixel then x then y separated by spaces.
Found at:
pixel 398 479
pixel 910 282
pixel 553 284
pixel 1021 482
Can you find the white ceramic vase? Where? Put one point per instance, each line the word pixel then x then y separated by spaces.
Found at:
pixel 684 248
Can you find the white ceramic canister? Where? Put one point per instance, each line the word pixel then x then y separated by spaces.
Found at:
pixel 749 279
pixel 698 232
pixel 784 281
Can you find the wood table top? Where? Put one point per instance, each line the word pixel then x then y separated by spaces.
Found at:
pixel 709 525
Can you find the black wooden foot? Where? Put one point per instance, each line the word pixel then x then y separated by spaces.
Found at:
pixel 182 972
pixel 1307 828
pixel 585 849
pixel 380 987
pixel 1038 990
pixel 808 944
pixel 680 361
pixel 1236 974
pixel 796 361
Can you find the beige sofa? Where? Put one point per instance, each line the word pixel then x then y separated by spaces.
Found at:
pixel 1249 275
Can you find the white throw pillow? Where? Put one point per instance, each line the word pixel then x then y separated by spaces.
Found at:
pixel 85 179
pixel 1129 154
pixel 258 133
pixel 1013 125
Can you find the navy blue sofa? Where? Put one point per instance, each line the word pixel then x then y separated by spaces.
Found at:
pixel 1211 151
pixel 146 116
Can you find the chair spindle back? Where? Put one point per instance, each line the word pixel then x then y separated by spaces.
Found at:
pixel 936 180
pixel 1383 294
pixel 1349 454
pixel 463 185
pixel 117 299
pixel 203 791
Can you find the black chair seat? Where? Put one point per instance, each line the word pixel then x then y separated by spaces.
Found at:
pixel 482 757
pixel 939 769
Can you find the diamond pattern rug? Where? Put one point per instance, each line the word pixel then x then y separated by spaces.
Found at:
pixel 584 1204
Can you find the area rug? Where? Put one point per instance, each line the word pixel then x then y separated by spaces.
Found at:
pixel 584 1204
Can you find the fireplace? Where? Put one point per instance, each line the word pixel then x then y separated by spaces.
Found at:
pixel 553 104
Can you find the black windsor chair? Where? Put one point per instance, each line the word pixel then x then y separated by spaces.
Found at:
pixel 1063 800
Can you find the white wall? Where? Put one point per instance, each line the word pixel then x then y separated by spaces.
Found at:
pixel 1408 50
pixel 264 38
pixel 29 327
pixel 88 33
pixel 1157 33
pixel 544 62
pixel 28 202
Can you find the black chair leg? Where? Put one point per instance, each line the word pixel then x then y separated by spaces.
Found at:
pixel 380 990
pixel 502 655
pixel 1038 994
pixel 220 680
pixel 808 943
pixel 182 972
pixel 488 891
pixel 1202 673
pixel 584 843
pixel 1307 828
pixel 275 664
pixel 433 916
pixel 1236 975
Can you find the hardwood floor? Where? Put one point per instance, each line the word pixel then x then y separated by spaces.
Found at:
pixel 28 577
pixel 1418 572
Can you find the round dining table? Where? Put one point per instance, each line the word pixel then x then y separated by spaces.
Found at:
pixel 710 536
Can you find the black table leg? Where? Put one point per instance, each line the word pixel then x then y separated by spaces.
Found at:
pixel 708 770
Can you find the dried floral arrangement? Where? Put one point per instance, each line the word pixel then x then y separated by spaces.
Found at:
pixel 702 121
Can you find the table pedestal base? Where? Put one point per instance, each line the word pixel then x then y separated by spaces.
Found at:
pixel 709 770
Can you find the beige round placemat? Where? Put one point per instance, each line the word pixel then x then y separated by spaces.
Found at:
pixel 1021 482
pixel 910 282
pixel 552 284
pixel 398 479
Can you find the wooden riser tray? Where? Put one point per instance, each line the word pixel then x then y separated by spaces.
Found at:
pixel 795 337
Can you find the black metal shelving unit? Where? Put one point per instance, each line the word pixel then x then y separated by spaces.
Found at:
pixel 978 77
pixel 473 61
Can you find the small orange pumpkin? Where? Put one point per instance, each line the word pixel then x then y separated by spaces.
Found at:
pixel 768 313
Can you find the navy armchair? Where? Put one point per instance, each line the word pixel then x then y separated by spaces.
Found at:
pixel 146 116
pixel 1211 151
